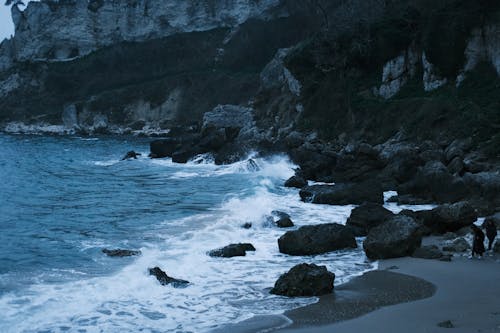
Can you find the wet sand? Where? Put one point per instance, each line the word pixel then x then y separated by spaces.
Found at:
pixel 403 295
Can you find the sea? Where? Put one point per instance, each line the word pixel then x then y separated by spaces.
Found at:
pixel 65 198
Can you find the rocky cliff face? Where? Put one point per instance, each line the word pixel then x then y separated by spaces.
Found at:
pixel 65 29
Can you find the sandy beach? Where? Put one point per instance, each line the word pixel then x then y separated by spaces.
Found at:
pixel 403 295
pixel 467 294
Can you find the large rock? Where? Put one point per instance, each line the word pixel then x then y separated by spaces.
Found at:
pixel 428 252
pixel 164 279
pixel 398 236
pixel 316 239
pixel 366 217
pixel 449 217
pixel 305 280
pixel 343 194
pixel 232 250
pixel 458 245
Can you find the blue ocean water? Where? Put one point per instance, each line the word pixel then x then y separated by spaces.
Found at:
pixel 64 199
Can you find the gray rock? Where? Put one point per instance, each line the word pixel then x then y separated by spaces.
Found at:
pixel 398 236
pixel 428 252
pixel 316 239
pixel 366 217
pixel 232 250
pixel 459 245
pixel 305 280
pixel 450 217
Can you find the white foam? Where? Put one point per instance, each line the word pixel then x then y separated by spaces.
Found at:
pixel 221 290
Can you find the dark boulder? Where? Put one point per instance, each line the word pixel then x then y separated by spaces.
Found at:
pixel 284 220
pixel 296 181
pixel 343 194
pixel 357 162
pixel 316 160
pixel 131 154
pixel 449 217
pixel 164 279
pixel 484 189
pixel 232 250
pixel 247 225
pixel 495 218
pixel 367 216
pixel 316 239
pixel 398 236
pixel 163 148
pixel 120 253
pixel 428 252
pixel 305 280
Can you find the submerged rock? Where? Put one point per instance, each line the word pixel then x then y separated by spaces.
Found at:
pixel 232 250
pixel 398 236
pixel 316 239
pixel 131 154
pixel 305 280
pixel 284 220
pixel 120 253
pixel 164 279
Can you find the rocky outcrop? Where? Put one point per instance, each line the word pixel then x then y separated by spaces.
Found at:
pixel 399 236
pixel 367 216
pixel 316 239
pixel 449 217
pixel 342 194
pixel 305 280
pixel 232 250
pixel 164 279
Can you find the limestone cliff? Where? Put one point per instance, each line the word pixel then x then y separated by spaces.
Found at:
pixel 65 29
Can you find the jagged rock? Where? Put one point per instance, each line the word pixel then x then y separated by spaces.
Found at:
pixel 232 250
pixel 296 181
pixel 428 252
pixel 343 194
pixel 398 236
pixel 164 279
pixel 459 245
pixel 316 239
pixel 367 216
pixel 131 154
pixel 305 280
pixel 120 253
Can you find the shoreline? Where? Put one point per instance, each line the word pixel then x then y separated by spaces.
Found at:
pixel 402 295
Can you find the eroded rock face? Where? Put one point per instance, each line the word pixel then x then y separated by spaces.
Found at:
pixel 399 236
pixel 305 280
pixel 316 239
pixel 52 30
